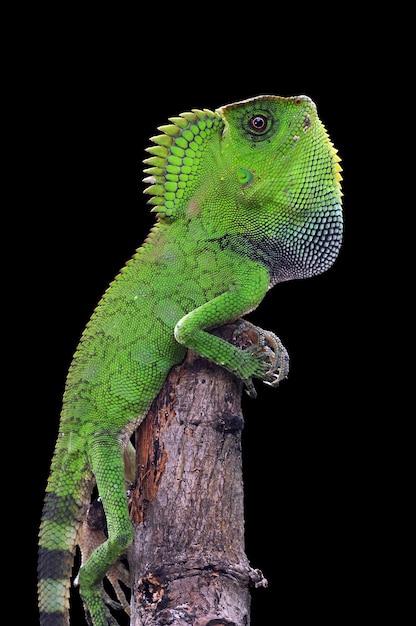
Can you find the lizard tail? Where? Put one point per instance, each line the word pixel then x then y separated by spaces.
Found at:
pixel 63 511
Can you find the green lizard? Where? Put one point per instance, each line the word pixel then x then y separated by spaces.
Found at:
pixel 246 196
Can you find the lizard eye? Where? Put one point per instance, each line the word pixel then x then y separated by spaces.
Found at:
pixel 258 124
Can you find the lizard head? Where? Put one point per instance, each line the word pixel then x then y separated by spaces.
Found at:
pixel 289 177
pixel 261 175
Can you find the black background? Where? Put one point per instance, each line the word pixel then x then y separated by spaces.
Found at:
pixel 90 104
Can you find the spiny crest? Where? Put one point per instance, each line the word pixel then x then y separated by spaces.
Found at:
pixel 176 156
pixel 336 162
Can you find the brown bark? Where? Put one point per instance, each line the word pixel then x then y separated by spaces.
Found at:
pixel 188 564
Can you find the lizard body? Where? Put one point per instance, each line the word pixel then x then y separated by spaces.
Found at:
pixel 246 196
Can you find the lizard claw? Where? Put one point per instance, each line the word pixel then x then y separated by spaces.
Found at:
pixel 279 357
pixel 250 388
pixel 270 352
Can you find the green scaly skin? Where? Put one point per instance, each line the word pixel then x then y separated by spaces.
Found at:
pixel 246 197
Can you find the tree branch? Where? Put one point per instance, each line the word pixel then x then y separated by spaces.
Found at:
pixel 188 564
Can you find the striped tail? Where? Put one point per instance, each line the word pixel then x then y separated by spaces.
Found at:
pixel 63 512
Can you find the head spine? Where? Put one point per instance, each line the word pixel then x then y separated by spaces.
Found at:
pixel 175 158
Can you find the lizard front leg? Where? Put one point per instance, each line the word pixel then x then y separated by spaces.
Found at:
pixel 242 296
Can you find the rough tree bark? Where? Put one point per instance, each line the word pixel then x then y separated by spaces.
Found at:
pixel 188 563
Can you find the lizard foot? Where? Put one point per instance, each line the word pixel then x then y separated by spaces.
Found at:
pixel 93 534
pixel 96 612
pixel 118 573
pixel 266 347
